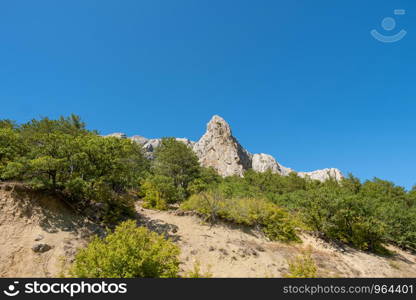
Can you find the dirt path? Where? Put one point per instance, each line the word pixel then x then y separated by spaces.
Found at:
pixel 233 251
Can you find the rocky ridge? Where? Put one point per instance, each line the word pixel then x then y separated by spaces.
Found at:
pixel 218 148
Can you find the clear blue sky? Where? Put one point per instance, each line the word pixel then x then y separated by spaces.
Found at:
pixel 302 80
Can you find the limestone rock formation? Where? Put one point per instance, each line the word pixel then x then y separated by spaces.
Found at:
pixel 186 141
pixel 150 145
pixel 263 162
pixel 219 149
pixel 285 171
pixel 323 175
pixel 139 139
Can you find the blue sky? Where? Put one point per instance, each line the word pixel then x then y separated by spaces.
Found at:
pixel 301 80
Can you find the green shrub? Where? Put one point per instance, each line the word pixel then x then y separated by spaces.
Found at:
pixel 351 224
pixel 115 207
pixel 197 273
pixel 302 266
pixel 128 252
pixel 272 220
pixel 158 191
pixel 277 225
pixel 344 217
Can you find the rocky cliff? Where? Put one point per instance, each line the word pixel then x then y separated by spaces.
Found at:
pixel 218 148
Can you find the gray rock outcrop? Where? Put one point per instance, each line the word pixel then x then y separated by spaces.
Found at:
pixel 187 142
pixel 139 139
pixel 263 162
pixel 40 248
pixel 218 148
pixel 150 145
pixel 323 175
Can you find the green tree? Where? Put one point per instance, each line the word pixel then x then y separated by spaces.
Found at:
pixel 411 197
pixel 351 184
pixel 62 156
pixel 11 147
pixel 8 124
pixel 207 179
pixel 176 160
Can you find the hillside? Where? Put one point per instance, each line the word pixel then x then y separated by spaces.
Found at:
pixel 61 183
pixel 226 250
pixel 29 218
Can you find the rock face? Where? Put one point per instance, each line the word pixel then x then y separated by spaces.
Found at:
pixel 187 142
pixel 219 149
pixel 263 162
pixel 150 145
pixel 323 175
pixel 139 139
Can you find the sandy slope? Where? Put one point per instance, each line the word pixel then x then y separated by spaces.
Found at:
pixel 24 216
pixel 233 251
pixel 224 250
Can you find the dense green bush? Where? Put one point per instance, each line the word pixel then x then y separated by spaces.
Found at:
pixel 206 179
pixel 174 175
pixel 115 207
pixel 11 147
pixel 364 215
pixel 272 220
pixel 197 273
pixel 128 252
pixel 339 215
pixel 302 266
pixel 158 191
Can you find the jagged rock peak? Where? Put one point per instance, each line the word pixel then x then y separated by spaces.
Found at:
pixel 219 127
pixel 219 149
